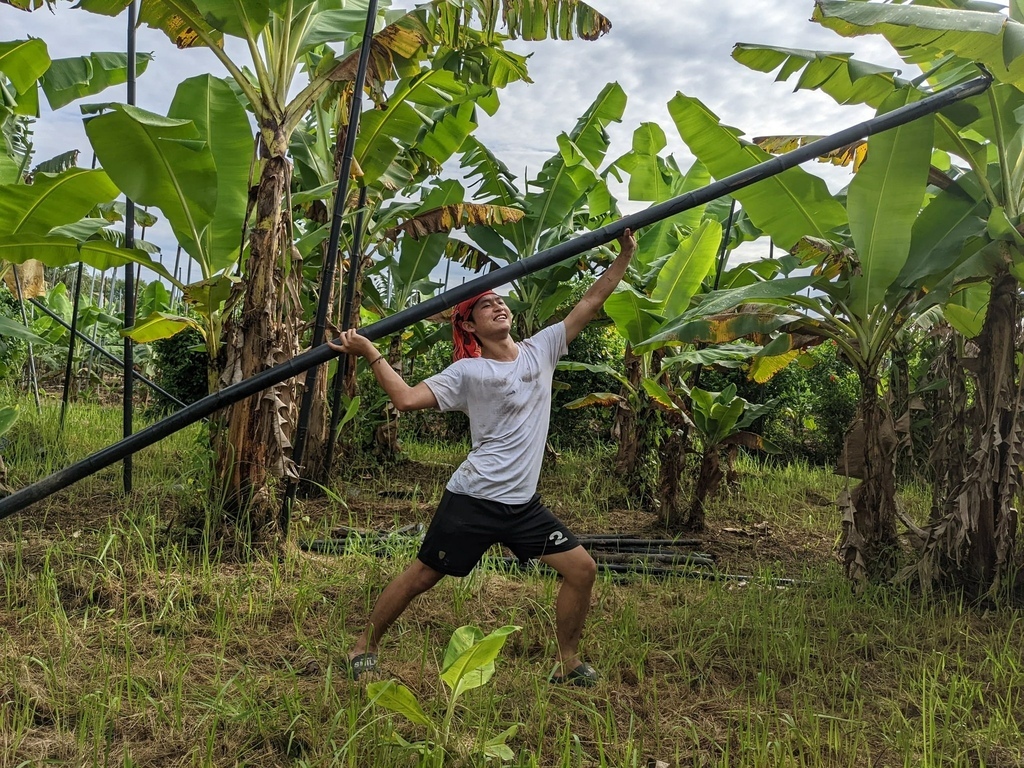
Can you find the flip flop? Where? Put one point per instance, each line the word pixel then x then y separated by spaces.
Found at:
pixel 363 664
pixel 583 676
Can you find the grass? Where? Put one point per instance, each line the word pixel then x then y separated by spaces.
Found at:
pixel 122 646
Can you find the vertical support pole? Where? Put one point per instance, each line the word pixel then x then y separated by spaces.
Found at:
pixel 71 347
pixel 129 274
pixel 346 322
pixel 331 260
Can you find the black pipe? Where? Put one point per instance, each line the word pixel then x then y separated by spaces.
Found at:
pixel 611 540
pixel 330 263
pixel 561 252
pixel 71 347
pixel 112 358
pixel 354 258
pixel 129 278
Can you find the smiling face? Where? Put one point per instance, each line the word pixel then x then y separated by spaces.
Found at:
pixel 490 317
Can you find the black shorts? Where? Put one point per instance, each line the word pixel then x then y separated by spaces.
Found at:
pixel 464 528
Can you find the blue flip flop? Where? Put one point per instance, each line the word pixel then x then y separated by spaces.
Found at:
pixel 583 676
pixel 363 664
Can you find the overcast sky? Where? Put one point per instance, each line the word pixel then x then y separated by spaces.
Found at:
pixel 654 50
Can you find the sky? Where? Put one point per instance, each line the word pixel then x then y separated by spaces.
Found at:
pixel 654 50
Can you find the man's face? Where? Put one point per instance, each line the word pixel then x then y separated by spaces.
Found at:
pixel 489 313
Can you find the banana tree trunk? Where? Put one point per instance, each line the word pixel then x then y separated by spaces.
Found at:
pixel 252 442
pixel 948 458
pixel 670 472
pixel 708 481
pixel 636 428
pixel 973 539
pixel 869 545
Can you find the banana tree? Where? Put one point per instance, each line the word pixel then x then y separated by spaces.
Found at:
pixel 969 537
pixel 253 445
pixel 193 166
pixel 720 420
pixel 861 295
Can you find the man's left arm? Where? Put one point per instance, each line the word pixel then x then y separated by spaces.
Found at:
pixel 602 288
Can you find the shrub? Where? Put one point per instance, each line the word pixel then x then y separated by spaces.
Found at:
pixel 181 363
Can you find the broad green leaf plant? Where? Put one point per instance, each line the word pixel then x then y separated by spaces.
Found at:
pixel 468 664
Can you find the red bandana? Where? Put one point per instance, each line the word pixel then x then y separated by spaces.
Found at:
pixel 466 344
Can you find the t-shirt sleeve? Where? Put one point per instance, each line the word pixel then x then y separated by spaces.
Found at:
pixel 448 388
pixel 552 342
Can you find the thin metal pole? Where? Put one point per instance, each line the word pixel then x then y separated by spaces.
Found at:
pixel 176 272
pixel 726 237
pixel 330 263
pixel 71 347
pixel 546 258
pixel 129 276
pixel 31 352
pixel 112 358
pixel 346 322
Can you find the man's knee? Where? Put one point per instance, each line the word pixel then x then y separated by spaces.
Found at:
pixel 420 577
pixel 575 566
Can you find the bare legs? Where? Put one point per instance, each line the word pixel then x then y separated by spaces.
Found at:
pixel 576 567
pixel 412 582
pixel 578 571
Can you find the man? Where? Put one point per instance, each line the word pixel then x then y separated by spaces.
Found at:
pixel 505 388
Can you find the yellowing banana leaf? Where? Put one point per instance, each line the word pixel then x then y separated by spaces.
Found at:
pixel 883 202
pixel 456 216
pixel 786 206
pixel 544 19
pixel 850 155
pixel 755 323
pixel 922 34
pixel 603 399
pixel 762 369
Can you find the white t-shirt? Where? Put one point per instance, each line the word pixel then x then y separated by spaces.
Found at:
pixel 509 406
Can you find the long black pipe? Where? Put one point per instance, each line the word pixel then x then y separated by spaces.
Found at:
pixel 128 403
pixel 559 253
pixel 71 347
pixel 330 261
pixel 112 358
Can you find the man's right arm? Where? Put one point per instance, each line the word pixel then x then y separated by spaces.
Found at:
pixel 404 397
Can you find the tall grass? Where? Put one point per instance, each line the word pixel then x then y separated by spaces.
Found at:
pixel 122 645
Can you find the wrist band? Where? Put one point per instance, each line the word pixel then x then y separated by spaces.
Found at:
pixel 376 361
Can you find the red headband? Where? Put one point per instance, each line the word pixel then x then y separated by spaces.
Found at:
pixel 466 344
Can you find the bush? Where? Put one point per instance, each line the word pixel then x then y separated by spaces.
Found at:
pixel 816 404
pixel 181 369
pixel 12 351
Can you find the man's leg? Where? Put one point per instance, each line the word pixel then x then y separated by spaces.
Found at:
pixel 578 571
pixel 413 581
